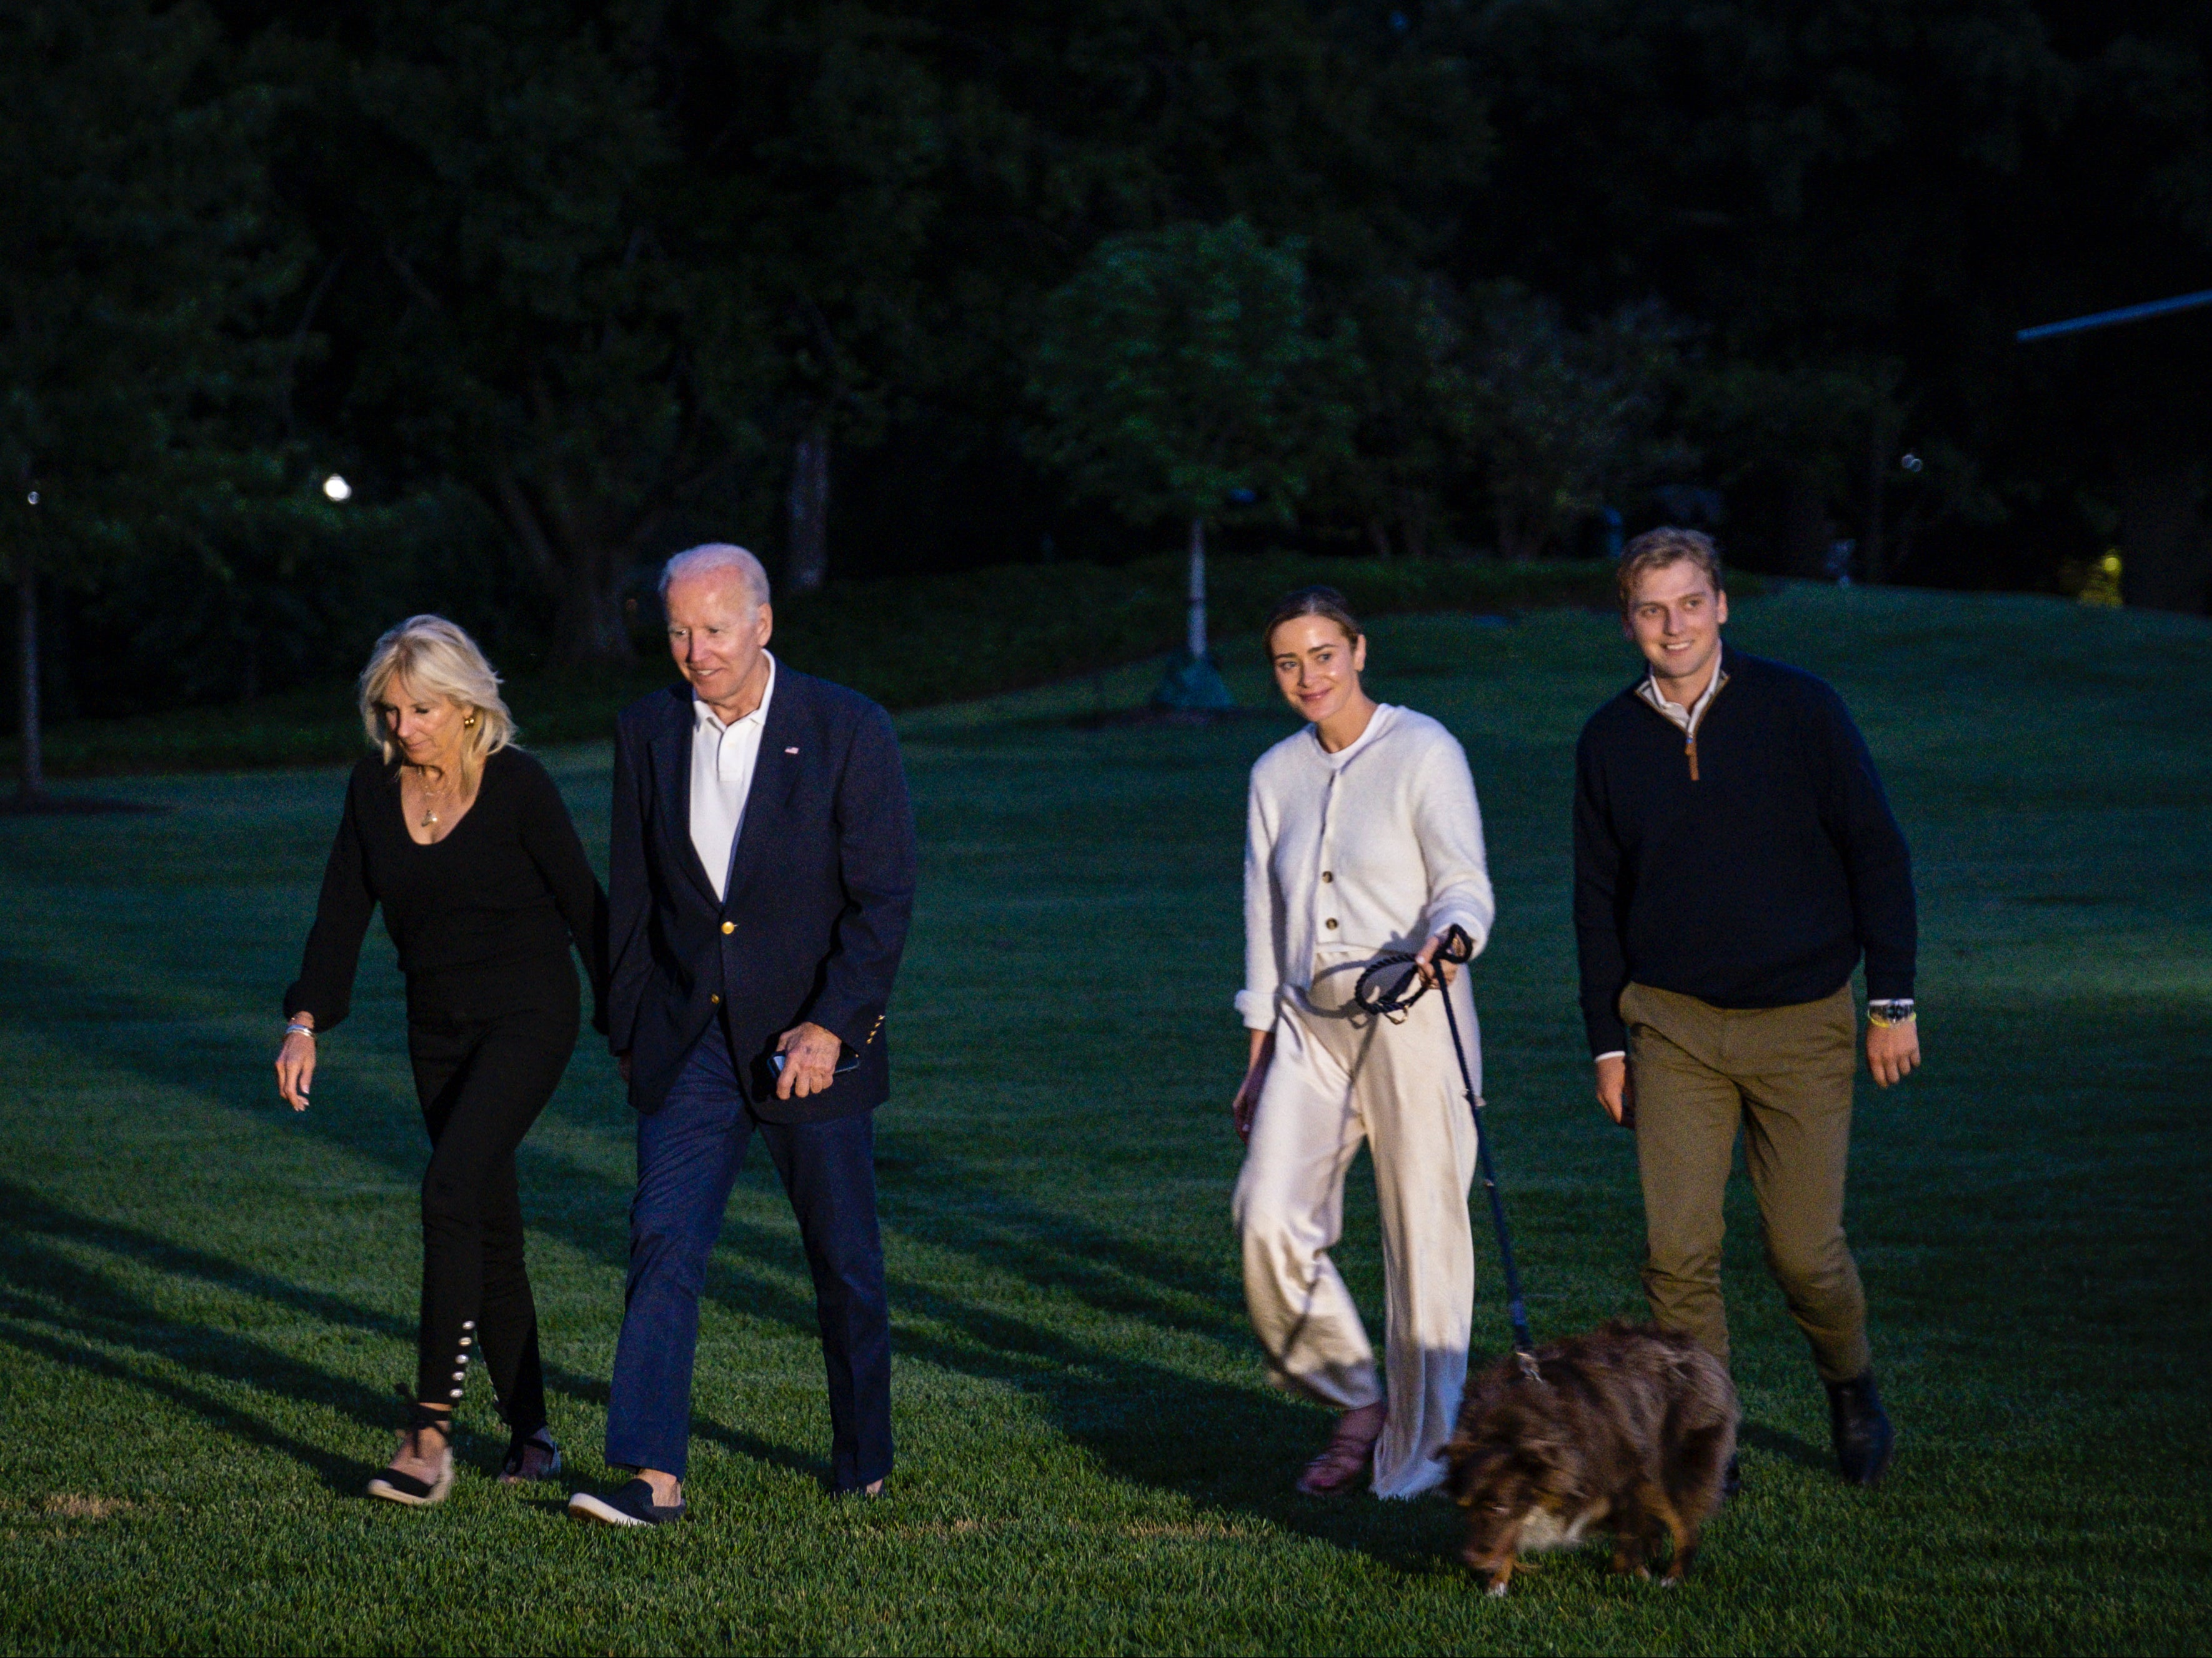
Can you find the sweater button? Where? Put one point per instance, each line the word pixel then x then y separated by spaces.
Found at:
pixel 729 926
pixel 1331 922
pixel 1326 876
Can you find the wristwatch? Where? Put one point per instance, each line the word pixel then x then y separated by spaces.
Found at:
pixel 1890 1011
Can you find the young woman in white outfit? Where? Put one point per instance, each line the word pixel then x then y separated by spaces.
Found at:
pixel 1363 837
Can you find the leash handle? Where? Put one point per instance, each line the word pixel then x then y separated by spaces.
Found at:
pixel 1390 1001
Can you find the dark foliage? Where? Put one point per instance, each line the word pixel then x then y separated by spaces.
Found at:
pixel 562 285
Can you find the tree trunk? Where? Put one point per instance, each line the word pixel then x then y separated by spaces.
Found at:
pixel 2165 557
pixel 806 555
pixel 1808 537
pixel 1520 535
pixel 1414 518
pixel 26 618
pixel 1197 637
pixel 588 629
pixel 1873 549
pixel 582 571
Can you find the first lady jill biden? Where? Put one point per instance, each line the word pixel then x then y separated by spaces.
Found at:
pixel 464 842
pixel 1365 837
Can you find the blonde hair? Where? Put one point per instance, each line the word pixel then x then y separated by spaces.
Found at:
pixel 436 657
pixel 1654 550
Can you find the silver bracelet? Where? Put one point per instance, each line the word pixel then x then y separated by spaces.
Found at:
pixel 306 1030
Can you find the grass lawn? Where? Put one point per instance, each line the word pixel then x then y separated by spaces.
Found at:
pixel 205 1305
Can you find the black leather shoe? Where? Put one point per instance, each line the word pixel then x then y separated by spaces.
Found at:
pixel 1731 1479
pixel 633 1506
pixel 1865 1440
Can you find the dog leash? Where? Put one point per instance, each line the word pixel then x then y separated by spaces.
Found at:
pixel 1391 1001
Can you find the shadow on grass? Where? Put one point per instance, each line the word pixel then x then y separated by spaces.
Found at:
pixel 73 1315
pixel 1211 1442
pixel 55 1308
pixel 1786 1446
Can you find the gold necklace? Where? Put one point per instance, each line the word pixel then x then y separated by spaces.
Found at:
pixel 431 798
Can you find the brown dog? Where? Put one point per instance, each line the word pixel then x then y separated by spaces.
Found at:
pixel 1628 1426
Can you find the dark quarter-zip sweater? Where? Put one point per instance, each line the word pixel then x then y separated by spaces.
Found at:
pixel 1756 879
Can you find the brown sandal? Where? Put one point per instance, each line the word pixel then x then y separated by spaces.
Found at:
pixel 1338 1470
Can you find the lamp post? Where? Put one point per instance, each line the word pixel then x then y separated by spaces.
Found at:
pixel 1193 683
pixel 34 784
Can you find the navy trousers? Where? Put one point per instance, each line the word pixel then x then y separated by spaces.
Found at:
pixel 689 1153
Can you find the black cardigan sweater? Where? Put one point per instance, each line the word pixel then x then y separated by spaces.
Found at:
pixel 1759 882
pixel 478 917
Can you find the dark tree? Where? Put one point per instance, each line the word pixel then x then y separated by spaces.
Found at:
pixel 136 268
pixel 1180 379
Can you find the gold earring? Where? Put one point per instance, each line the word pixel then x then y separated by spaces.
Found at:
pixel 469 721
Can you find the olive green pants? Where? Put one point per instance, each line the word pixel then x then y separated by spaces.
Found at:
pixel 1783 1077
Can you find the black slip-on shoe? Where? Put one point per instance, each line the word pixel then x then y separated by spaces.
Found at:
pixel 1865 1440
pixel 633 1506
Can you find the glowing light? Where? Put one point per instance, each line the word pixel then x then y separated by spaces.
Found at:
pixel 34 497
pixel 336 488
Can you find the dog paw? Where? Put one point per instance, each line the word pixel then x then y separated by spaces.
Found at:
pixel 1670 1582
pixel 1497 1591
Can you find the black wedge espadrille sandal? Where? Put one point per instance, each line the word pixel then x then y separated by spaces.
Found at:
pixel 530 1457
pixel 393 1486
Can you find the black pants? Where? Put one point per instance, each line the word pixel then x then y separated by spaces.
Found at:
pixel 482 1081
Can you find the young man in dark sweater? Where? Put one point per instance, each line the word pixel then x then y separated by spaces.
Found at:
pixel 1734 858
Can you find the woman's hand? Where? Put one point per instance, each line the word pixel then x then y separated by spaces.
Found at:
pixel 295 1064
pixel 1256 1079
pixel 1425 962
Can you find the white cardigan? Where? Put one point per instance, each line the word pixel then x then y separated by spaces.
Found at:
pixel 1378 846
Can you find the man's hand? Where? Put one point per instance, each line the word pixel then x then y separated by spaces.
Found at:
pixel 1425 961
pixel 810 1061
pixel 1615 1091
pixel 1256 1080
pixel 1892 1050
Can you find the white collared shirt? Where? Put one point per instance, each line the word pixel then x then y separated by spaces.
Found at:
pixel 723 760
pixel 1688 718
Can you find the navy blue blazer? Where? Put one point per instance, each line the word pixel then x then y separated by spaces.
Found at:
pixel 820 892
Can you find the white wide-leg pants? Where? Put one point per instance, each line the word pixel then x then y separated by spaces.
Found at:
pixel 1339 1076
